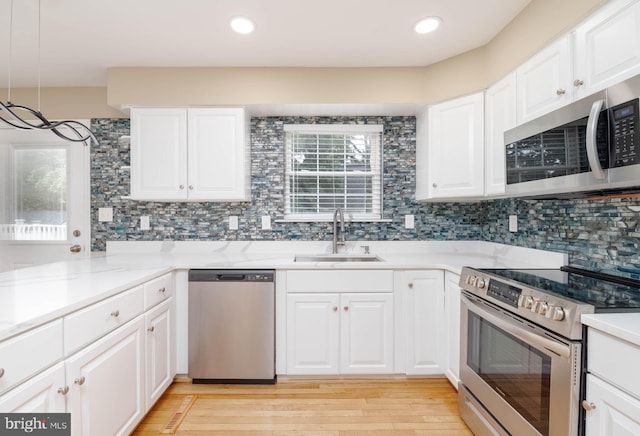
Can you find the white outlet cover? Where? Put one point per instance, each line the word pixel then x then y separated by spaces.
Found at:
pixel 266 222
pixel 144 222
pixel 105 214
pixel 513 223
pixel 409 222
pixel 233 222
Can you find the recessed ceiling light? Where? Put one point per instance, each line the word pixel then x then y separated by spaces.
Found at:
pixel 427 25
pixel 242 25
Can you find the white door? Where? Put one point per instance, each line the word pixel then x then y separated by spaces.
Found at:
pixel 452 325
pixel 159 371
pixel 44 198
pixel 425 321
pixel 615 413
pixel 40 394
pixel 366 333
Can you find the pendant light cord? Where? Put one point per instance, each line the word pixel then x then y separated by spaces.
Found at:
pixel 10 52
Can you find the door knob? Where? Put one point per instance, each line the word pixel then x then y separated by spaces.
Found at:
pixel 587 405
pixel 64 390
pixel 80 381
pixel 75 248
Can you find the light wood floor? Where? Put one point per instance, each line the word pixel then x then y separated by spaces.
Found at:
pixel 372 407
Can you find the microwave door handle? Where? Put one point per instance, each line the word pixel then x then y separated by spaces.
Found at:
pixel 517 331
pixel 592 143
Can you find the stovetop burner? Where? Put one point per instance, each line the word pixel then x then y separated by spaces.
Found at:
pixel 603 291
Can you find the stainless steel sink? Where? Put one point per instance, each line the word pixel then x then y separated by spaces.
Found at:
pixel 337 258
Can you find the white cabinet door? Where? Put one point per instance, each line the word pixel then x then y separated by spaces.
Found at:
pixel 452 326
pixel 424 321
pixel 106 382
pixel 366 333
pixel 42 393
pixel 159 351
pixel 545 82
pixel 218 162
pixel 455 141
pixel 313 333
pixel 608 47
pixel 159 153
pixel 500 116
pixel 615 412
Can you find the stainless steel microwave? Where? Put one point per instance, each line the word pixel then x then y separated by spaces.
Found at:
pixel 590 145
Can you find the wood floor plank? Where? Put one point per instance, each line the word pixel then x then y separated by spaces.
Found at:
pixel 367 407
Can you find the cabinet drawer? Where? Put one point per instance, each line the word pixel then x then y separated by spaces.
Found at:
pixel 340 281
pixel 157 290
pixel 614 360
pixel 27 354
pixel 86 325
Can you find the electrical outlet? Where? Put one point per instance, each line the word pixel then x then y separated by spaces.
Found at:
pixel 513 223
pixel 409 222
pixel 144 222
pixel 105 214
pixel 233 222
pixel 266 222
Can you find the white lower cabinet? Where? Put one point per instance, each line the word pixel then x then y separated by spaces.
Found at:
pixel 159 353
pixel 424 321
pixel 332 333
pixel 452 327
pixel 615 413
pixel 43 393
pixel 106 381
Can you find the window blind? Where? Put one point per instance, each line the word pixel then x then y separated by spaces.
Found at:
pixel 331 166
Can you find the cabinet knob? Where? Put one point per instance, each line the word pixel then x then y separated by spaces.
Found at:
pixel 561 92
pixel 1 372
pixel 181 186
pixel 578 82
pixel 191 187
pixel 75 248
pixel 410 285
pixel 151 329
pixel 346 308
pixel 335 308
pixel 63 390
pixel 587 405
pixel 115 313
pixel 80 381
pixel 162 290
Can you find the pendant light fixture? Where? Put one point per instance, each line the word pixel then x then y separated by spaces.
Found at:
pixel 19 116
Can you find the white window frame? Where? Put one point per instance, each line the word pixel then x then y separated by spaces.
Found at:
pixel 376 213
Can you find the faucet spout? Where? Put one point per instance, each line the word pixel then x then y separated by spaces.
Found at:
pixel 337 212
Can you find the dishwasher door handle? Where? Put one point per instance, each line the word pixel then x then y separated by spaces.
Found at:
pixel 231 277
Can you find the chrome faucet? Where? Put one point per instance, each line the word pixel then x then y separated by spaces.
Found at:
pixel 335 229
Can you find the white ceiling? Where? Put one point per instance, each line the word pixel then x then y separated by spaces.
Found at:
pixel 80 39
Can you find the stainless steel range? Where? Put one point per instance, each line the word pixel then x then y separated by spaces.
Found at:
pixel 522 344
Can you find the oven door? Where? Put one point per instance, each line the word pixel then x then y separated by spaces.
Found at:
pixel 527 379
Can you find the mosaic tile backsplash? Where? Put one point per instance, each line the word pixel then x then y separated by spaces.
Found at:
pixel 602 234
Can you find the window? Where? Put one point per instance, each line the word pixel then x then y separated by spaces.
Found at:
pixel 331 166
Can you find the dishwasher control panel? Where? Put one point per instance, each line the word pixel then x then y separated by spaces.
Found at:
pixel 239 275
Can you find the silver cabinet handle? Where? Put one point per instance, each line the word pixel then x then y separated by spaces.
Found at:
pixel 115 313
pixel 1 372
pixel 80 381
pixel 64 390
pixel 578 82
pixel 335 308
pixel 587 405
pixel 346 308
pixel 560 92
pixel 162 290
pixel 435 185
pixel 75 248
pixel 191 187
pixel 181 186
pixel 410 285
pixel 151 329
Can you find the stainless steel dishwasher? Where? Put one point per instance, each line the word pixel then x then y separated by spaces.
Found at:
pixel 232 326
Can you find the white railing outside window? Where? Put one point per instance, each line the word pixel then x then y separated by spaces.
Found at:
pixel 330 166
pixel 33 232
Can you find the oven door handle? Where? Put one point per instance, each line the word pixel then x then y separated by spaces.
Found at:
pixel 592 142
pixel 517 331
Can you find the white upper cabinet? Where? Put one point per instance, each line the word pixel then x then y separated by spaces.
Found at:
pixel 500 116
pixel 189 154
pixel 607 47
pixel 545 82
pixel 454 149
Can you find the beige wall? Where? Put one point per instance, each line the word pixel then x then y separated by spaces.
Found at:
pixel 535 27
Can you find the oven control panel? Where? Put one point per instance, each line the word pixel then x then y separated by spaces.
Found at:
pixel 503 292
